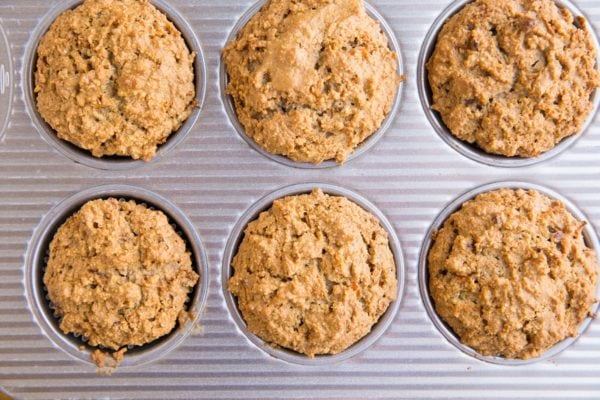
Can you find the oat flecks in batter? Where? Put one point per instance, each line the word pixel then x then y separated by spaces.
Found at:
pixel 313 274
pixel 511 274
pixel 311 79
pixel 114 77
pixel 118 274
pixel 514 77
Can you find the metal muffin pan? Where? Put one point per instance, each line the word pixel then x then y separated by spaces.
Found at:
pixel 236 237
pixel 83 156
pixel 591 240
pixel 363 147
pixel 37 257
pixel 472 151
pixel 410 174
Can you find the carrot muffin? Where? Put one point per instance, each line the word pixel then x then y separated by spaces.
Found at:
pixel 514 77
pixel 313 274
pixel 114 77
pixel 511 274
pixel 311 79
pixel 118 274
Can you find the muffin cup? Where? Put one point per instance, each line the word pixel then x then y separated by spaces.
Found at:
pixel 362 148
pixel 6 87
pixel 591 240
pixel 82 156
pixel 236 238
pixel 470 150
pixel 37 255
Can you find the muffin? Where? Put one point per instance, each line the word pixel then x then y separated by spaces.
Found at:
pixel 114 77
pixel 313 274
pixel 311 79
pixel 511 274
pixel 513 77
pixel 118 274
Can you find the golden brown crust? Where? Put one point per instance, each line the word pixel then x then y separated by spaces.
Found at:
pixel 513 77
pixel 311 79
pixel 115 78
pixel 118 274
pixel 313 274
pixel 511 274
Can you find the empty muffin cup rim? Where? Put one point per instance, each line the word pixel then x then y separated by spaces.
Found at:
pixel 290 356
pixel 83 156
pixel 472 151
pixel 591 240
pixel 364 146
pixel 7 88
pixel 35 265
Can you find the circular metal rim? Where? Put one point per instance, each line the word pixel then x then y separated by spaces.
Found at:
pixel 9 83
pixel 37 248
pixel 362 148
pixel 82 156
pixel 291 356
pixel 471 151
pixel 591 240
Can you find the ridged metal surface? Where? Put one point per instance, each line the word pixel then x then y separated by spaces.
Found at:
pixel 214 176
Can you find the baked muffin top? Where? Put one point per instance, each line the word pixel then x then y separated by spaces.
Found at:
pixel 114 77
pixel 311 79
pixel 511 274
pixel 313 274
pixel 513 77
pixel 118 274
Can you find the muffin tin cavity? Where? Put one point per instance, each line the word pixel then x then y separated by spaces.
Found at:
pixel 237 236
pixel 591 241
pixel 468 150
pixel 6 87
pixel 37 257
pixel 367 144
pixel 80 155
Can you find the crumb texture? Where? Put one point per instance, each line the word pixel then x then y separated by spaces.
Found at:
pixel 514 77
pixel 311 79
pixel 510 273
pixel 118 274
pixel 114 77
pixel 313 274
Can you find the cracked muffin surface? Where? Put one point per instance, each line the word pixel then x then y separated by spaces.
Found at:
pixel 313 274
pixel 311 79
pixel 118 274
pixel 114 77
pixel 514 77
pixel 511 274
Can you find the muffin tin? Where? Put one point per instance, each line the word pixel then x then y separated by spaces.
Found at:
pixel 410 175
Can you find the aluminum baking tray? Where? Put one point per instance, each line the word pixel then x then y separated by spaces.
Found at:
pixel 212 178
